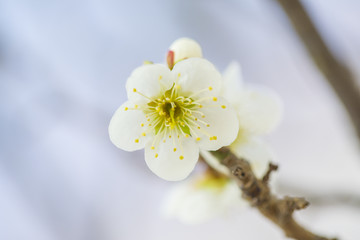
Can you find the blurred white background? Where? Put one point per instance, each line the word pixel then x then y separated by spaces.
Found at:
pixel 63 66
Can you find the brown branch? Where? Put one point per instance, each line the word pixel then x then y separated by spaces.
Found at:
pixel 337 74
pixel 257 192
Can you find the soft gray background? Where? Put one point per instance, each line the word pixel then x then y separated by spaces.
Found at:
pixel 63 65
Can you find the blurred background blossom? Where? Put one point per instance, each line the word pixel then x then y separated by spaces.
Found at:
pixel 63 66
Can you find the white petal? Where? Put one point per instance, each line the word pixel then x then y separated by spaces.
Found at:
pixel 196 74
pixel 255 151
pixel 232 82
pixel 185 48
pixel 223 125
pixel 125 128
pixel 214 162
pixel 148 80
pixel 167 163
pixel 260 110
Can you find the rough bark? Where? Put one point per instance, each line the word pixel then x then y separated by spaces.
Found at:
pixel 258 193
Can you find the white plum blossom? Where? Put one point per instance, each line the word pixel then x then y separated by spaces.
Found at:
pixel 259 110
pixel 173 114
pixel 203 198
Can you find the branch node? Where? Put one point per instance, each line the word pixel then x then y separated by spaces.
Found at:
pixel 272 167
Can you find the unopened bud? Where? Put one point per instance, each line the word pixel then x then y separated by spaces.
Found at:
pixel 181 49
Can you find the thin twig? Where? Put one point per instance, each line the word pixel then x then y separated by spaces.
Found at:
pixel 349 199
pixel 337 74
pixel 258 193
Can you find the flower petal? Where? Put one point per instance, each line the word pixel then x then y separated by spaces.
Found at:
pixel 194 205
pixel 232 82
pixel 260 110
pixel 213 162
pixel 255 151
pixel 196 74
pixel 223 125
pixel 147 82
pixel 125 129
pixel 169 164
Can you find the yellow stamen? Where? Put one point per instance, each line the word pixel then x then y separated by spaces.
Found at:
pixel 197 139
pixel 210 88
pixel 136 140
pixel 181 157
pixel 174 149
pixel 126 108
pixel 156 155
pixel 214 99
pixel 223 106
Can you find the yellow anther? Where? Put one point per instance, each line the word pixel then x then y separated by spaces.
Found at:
pixel 223 106
pixel 142 125
pixel 156 155
pixel 134 90
pixel 195 119
pixel 187 135
pixel 169 136
pixel 214 137
pixel 208 125
pixel 174 149
pixel 203 116
pixel 149 124
pixel 126 108
pixel 144 134
pixel 200 106
pixel 197 139
pixel 214 99
pixel 164 141
pixel 152 147
pixel 136 106
pixel 136 140
pixel 178 86
pixel 210 88
pixel 181 157
pixel 160 77
pixel 148 120
pixel 198 127
pixel 179 74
